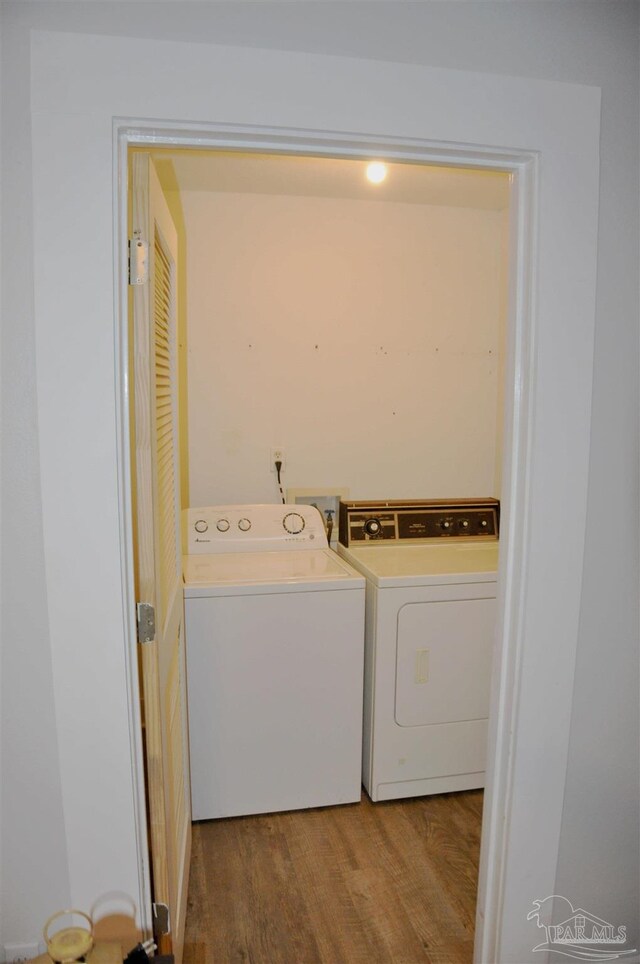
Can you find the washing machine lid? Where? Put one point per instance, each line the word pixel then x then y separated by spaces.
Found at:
pixel 433 564
pixel 244 573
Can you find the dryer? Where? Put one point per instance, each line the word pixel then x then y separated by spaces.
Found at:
pixel 431 571
pixel 274 627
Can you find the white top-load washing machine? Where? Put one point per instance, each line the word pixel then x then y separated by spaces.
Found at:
pixel 274 625
pixel 430 624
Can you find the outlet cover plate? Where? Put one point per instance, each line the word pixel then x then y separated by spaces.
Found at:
pixel 276 454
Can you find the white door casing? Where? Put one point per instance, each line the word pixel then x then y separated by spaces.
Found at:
pixel 546 133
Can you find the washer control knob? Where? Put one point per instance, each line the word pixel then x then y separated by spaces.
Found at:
pixel 484 524
pixel 201 525
pixel 244 525
pixel 445 525
pixel 464 524
pixel 222 525
pixel 293 523
pixel 373 527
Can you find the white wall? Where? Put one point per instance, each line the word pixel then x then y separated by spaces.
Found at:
pixel 72 179
pixel 583 42
pixel 362 337
pixel 34 868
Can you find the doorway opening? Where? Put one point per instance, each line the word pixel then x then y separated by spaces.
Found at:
pixel 341 364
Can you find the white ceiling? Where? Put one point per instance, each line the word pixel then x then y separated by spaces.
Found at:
pixel 245 173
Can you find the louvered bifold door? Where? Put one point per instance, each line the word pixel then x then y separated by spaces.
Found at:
pixel 166 422
pixel 158 550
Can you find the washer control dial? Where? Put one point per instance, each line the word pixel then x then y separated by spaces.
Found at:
pixel 293 523
pixel 244 525
pixel 201 525
pixel 222 525
pixel 373 527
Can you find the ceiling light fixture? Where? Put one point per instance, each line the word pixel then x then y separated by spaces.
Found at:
pixel 376 172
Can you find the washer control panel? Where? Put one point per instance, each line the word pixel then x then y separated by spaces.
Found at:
pixel 385 522
pixel 252 528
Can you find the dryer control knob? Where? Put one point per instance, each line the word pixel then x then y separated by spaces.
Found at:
pixel 222 525
pixel 373 527
pixel 445 525
pixel 244 525
pixel 201 525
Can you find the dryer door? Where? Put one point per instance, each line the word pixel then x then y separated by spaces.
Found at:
pixel 443 661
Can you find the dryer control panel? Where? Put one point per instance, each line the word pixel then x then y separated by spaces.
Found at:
pixel 252 528
pixel 362 522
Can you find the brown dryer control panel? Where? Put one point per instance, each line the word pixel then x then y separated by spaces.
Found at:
pixel 363 522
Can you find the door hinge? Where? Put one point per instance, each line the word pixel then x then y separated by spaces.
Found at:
pixel 138 261
pixel 161 920
pixel 146 619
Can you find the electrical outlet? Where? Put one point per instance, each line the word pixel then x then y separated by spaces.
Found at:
pixel 17 953
pixel 276 455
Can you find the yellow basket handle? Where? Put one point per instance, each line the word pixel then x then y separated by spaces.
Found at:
pixel 69 943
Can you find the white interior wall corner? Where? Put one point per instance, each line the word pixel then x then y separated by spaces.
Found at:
pixel 34 874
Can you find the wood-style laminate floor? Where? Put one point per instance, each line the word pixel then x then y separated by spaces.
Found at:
pixel 384 883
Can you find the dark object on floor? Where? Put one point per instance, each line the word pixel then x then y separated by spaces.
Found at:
pixel 139 955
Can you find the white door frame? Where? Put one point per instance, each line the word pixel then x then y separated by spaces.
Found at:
pixel 523 166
